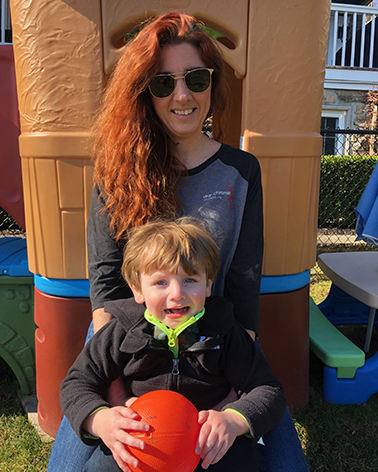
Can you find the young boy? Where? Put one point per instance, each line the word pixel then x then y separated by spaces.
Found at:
pixel 172 336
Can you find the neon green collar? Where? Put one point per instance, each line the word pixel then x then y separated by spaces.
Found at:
pixel 173 334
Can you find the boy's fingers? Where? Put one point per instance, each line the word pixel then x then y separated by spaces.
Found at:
pixel 201 443
pixel 123 457
pixel 202 416
pixel 135 425
pixel 130 440
pixel 218 456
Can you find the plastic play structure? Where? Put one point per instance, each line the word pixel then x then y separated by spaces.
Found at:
pixel 16 282
pixel 63 50
pixel 348 376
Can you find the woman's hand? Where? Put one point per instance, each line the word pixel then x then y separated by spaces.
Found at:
pixel 111 425
pixel 218 433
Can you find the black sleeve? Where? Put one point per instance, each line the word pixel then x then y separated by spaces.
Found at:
pixel 84 389
pixel 104 258
pixel 261 396
pixel 242 284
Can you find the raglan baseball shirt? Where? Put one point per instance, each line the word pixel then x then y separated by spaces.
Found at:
pixel 225 191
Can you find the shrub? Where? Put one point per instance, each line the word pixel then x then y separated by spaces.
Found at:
pixel 342 182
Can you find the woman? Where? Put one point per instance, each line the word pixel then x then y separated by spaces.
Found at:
pixel 151 160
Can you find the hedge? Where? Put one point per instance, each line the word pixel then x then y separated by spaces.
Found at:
pixel 342 182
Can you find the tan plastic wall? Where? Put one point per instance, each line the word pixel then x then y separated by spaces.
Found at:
pixel 61 53
pixel 282 98
pixel 59 71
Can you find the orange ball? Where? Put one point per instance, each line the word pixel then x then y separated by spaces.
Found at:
pixel 172 438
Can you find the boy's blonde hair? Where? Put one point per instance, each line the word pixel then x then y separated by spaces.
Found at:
pixel 165 245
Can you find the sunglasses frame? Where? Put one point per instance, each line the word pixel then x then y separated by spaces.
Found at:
pixel 182 77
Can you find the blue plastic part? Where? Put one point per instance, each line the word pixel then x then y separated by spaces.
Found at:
pixel 75 288
pixel 13 257
pixel 342 309
pixel 351 391
pixel 284 283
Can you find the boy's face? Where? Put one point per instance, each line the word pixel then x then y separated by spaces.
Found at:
pixel 173 298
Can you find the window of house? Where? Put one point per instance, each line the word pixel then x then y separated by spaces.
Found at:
pixel 334 143
pixel 329 138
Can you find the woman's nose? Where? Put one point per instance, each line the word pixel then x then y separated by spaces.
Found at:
pixel 181 91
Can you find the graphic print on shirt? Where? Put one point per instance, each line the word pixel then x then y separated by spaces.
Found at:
pixel 215 207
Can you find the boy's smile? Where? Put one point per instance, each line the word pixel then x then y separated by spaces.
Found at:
pixel 173 298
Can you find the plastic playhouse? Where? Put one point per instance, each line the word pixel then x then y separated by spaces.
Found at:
pixel 277 95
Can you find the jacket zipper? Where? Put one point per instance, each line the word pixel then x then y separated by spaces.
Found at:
pixel 175 373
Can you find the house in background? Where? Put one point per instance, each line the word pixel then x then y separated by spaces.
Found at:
pixel 351 69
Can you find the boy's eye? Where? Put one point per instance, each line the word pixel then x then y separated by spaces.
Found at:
pixel 190 280
pixel 160 282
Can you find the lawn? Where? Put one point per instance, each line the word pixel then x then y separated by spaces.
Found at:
pixel 335 438
pixel 21 449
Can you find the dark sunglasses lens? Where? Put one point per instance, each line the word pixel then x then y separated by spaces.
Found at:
pixel 162 86
pixel 198 81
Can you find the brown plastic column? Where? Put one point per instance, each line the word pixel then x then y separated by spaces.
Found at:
pixel 284 327
pixel 282 96
pixel 60 79
pixel 62 324
pixel 58 56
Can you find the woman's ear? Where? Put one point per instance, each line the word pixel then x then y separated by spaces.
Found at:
pixel 138 295
pixel 208 287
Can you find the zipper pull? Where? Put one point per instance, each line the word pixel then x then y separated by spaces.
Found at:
pixel 175 369
pixel 171 338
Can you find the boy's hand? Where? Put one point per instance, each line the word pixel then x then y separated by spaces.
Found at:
pixel 111 425
pixel 218 433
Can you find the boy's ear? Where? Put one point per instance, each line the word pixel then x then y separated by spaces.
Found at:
pixel 208 287
pixel 138 295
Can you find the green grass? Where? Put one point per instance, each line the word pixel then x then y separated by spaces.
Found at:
pixel 320 288
pixel 21 449
pixel 337 438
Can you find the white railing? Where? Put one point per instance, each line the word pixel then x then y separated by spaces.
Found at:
pixel 352 40
pixel 5 24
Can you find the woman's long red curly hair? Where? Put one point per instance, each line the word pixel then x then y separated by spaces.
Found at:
pixel 136 170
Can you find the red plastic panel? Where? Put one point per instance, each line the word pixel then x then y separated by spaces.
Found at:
pixel 11 196
pixel 62 325
pixel 284 337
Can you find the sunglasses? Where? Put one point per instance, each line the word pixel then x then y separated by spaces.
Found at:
pixel 196 80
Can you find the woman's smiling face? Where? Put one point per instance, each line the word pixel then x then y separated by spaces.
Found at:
pixel 183 112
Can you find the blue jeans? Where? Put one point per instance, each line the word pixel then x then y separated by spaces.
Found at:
pixel 282 451
pixel 241 457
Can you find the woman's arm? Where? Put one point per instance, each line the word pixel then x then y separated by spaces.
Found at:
pixel 104 259
pixel 100 318
pixel 242 283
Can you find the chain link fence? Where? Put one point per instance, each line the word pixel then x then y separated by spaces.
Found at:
pixel 349 158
